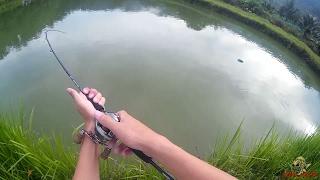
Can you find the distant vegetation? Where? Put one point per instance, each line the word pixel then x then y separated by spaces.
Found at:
pixel 311 6
pixel 27 155
pixel 288 16
pixel 7 5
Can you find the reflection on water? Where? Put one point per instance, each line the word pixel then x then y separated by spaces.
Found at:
pixel 152 59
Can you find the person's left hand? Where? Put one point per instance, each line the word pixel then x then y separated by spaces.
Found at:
pixel 84 106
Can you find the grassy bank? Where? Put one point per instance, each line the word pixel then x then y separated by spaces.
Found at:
pixel 263 25
pixel 25 155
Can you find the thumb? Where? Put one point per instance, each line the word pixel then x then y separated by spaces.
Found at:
pixel 105 120
pixel 73 93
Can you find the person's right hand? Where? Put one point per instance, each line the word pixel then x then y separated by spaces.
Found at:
pixel 131 132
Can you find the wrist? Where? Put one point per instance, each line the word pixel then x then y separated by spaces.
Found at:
pixel 89 126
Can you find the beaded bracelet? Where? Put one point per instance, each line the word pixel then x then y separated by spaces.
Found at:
pixel 79 138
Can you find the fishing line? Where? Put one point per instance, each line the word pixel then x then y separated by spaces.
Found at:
pixel 60 62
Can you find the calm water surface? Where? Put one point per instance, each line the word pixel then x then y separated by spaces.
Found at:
pixel 171 66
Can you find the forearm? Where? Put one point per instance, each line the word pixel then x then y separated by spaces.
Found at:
pixel 88 163
pixel 182 164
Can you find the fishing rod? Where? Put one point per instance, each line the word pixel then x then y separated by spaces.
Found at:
pixel 102 134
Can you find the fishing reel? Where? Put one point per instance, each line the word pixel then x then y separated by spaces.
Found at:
pixel 103 134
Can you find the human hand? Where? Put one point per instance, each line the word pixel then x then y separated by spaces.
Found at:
pixel 131 132
pixel 84 106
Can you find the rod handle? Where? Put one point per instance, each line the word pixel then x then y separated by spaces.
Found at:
pixel 141 155
pixel 149 160
pixel 96 105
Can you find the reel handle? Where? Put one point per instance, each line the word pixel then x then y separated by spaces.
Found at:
pixel 142 156
pixel 149 160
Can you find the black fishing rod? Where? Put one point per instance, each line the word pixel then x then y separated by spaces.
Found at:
pixel 103 134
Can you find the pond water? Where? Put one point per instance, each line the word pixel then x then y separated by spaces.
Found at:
pixel 189 73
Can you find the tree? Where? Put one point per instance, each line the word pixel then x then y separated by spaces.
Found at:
pixel 288 11
pixel 234 2
pixel 310 27
pixel 268 6
pixel 254 6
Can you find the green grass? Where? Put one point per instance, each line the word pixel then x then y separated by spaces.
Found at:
pixel 267 158
pixel 289 40
pixel 22 150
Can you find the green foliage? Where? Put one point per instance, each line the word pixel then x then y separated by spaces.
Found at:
pixel 256 6
pixel 310 26
pixel 22 151
pixel 26 155
pixel 267 158
pixel 289 11
pixel 7 5
pixel 311 6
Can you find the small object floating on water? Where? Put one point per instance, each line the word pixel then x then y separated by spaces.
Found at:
pixel 240 61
